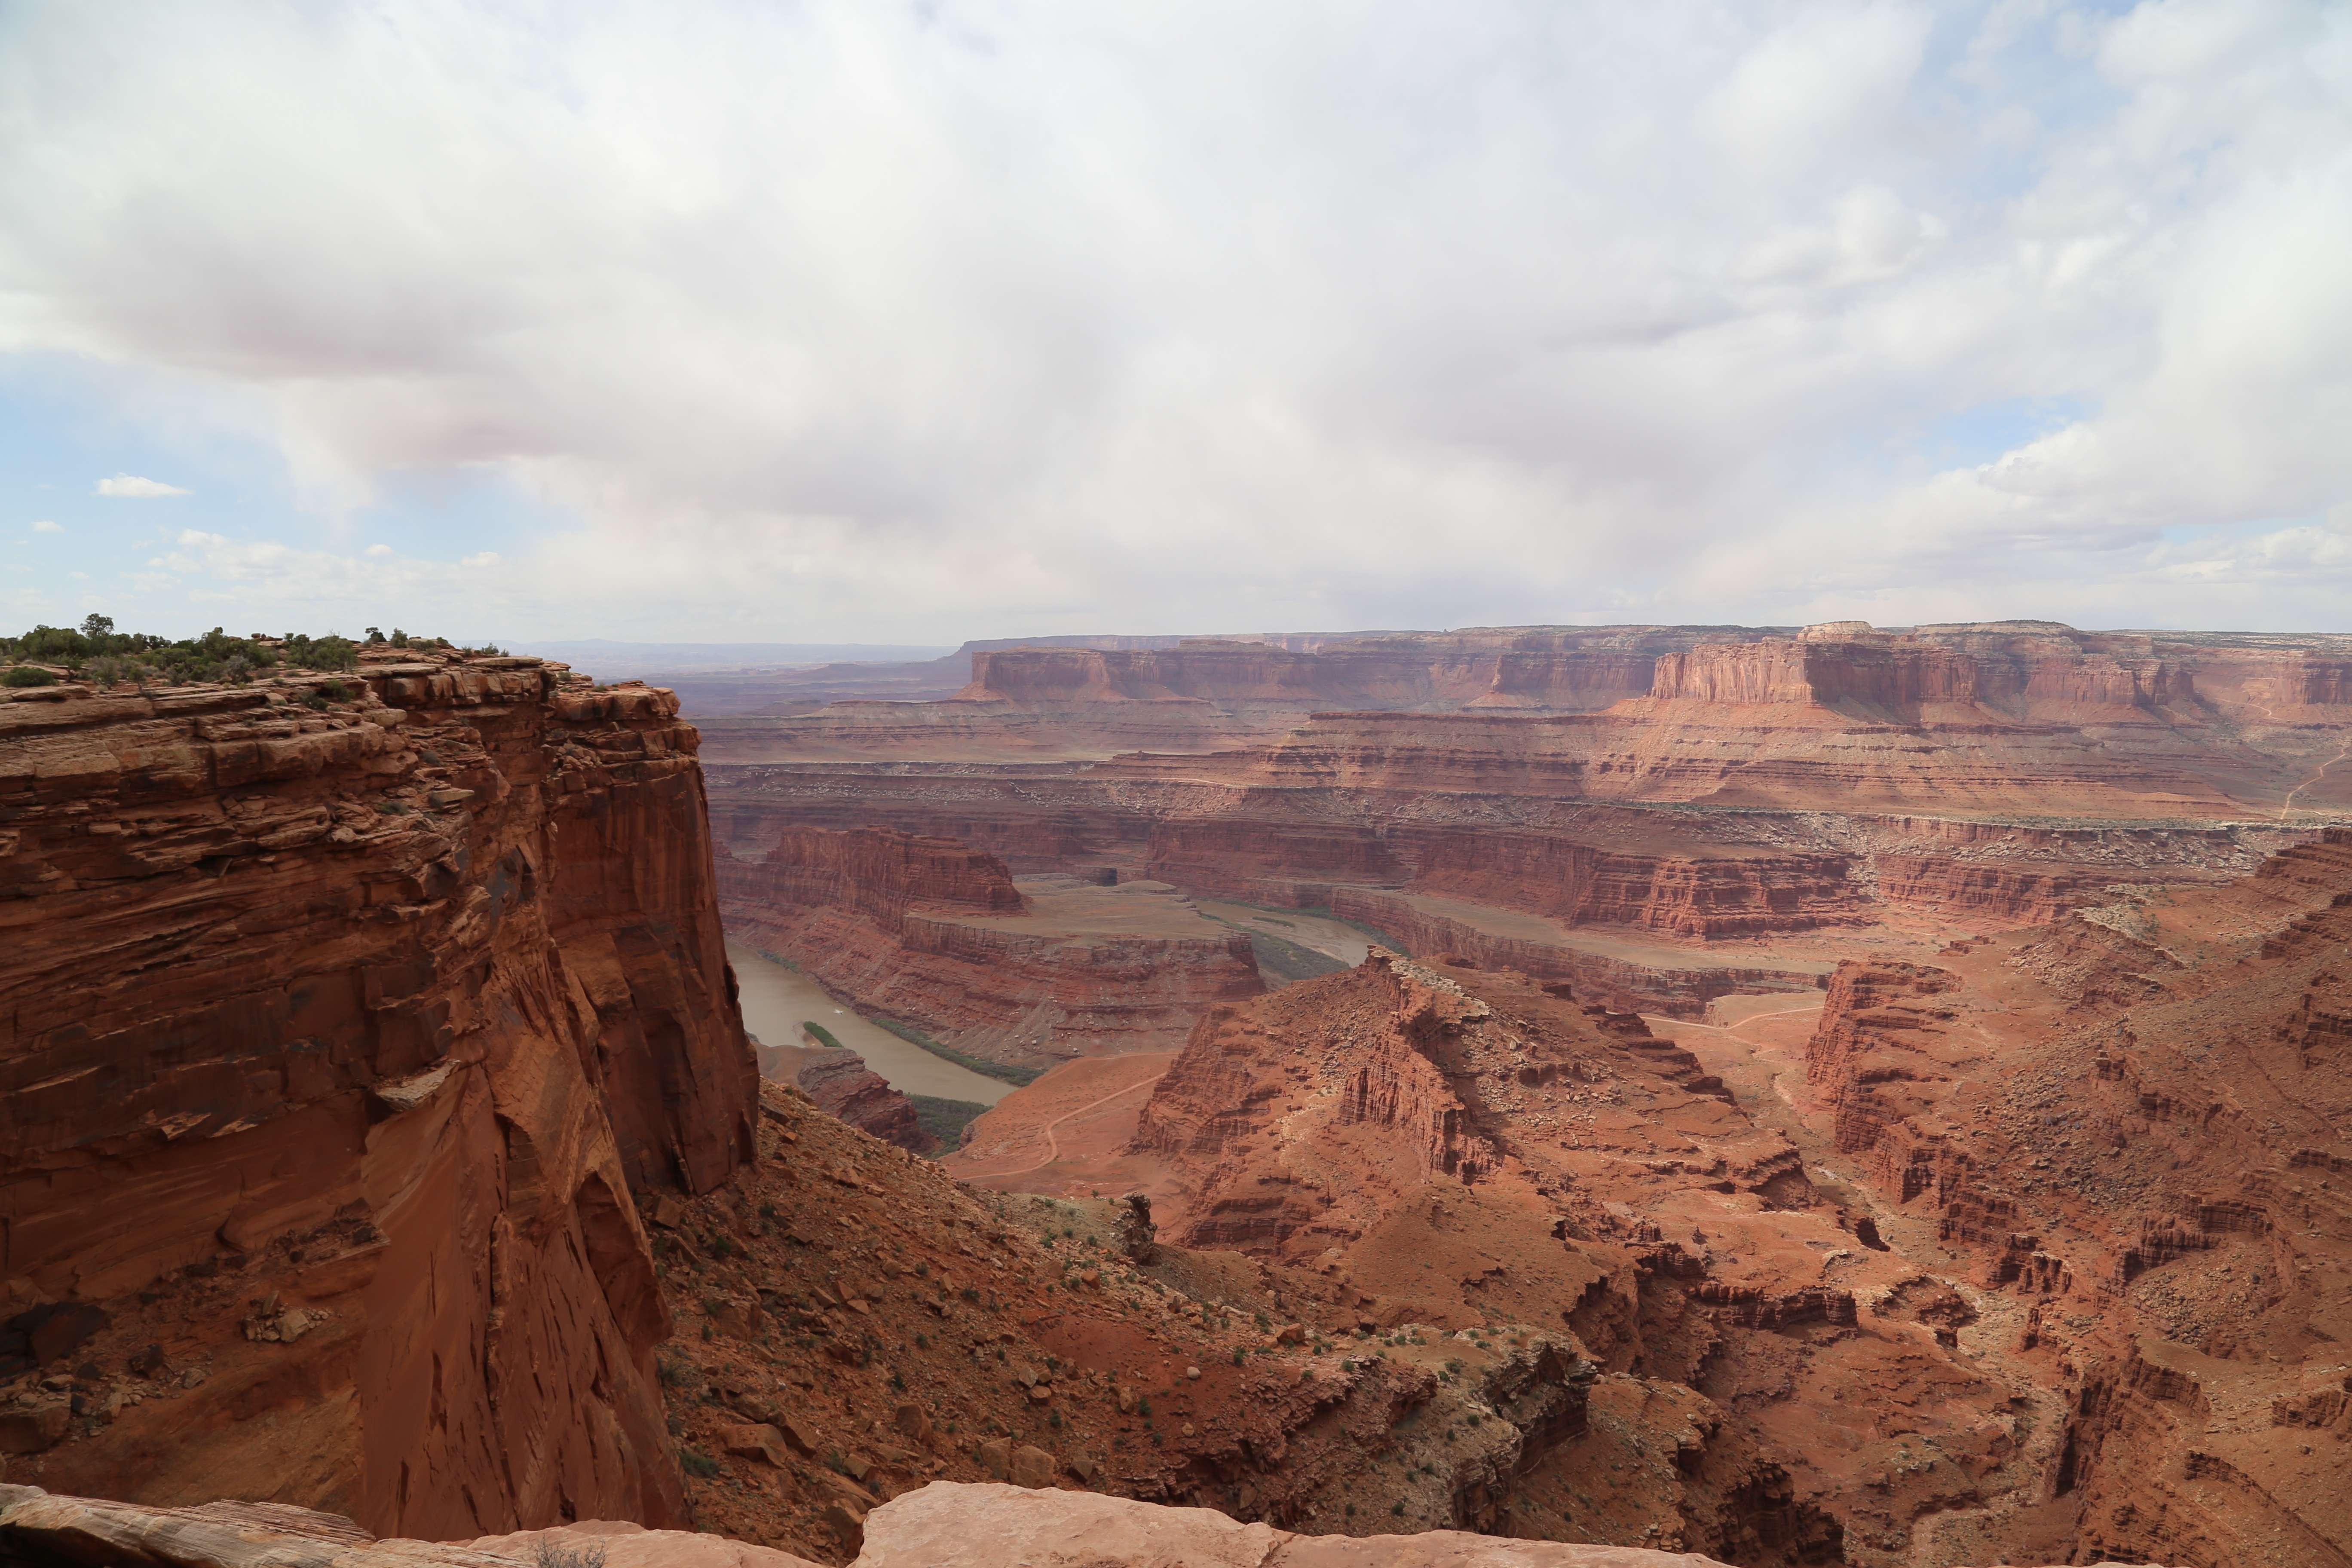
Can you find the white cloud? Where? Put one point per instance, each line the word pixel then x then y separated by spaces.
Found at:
pixel 379 550
pixel 46 526
pixel 276 583
pixel 131 487
pixel 921 318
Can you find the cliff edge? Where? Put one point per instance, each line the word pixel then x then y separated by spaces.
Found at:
pixel 339 1019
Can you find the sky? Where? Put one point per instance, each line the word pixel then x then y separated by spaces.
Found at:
pixel 914 321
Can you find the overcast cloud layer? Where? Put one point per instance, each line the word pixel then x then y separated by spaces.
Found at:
pixel 851 320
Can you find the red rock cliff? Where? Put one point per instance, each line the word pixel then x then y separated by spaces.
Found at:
pixel 2020 678
pixel 335 1040
pixel 877 872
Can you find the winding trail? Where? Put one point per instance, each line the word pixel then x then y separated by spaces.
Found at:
pixel 1053 1142
pixel 2341 752
pixel 1735 1028
pixel 2269 711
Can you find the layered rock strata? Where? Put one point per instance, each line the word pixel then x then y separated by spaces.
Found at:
pixel 342 1020
pixel 925 930
pixel 2133 1125
pixel 1660 981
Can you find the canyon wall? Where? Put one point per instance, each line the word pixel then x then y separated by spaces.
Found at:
pixel 1550 672
pixel 925 931
pixel 1614 980
pixel 878 873
pixel 2071 678
pixel 1747 788
pixel 342 1021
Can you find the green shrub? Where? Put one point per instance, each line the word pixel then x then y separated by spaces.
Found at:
pixel 697 1462
pixel 29 675
pixel 980 1064
pixel 822 1036
pixel 949 1120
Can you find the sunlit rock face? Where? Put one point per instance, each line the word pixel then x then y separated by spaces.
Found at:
pixel 340 1023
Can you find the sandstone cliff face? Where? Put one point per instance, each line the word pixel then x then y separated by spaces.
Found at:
pixel 925 931
pixel 877 873
pixel 336 1041
pixel 1547 673
pixel 1699 898
pixel 2020 678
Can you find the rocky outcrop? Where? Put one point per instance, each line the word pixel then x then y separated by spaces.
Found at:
pixel 843 1086
pixel 1308 1118
pixel 928 931
pixel 342 1020
pixel 1391 1094
pixel 1868 1058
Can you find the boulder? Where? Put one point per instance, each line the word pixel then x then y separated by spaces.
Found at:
pixel 1032 1466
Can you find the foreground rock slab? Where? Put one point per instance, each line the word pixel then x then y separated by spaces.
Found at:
pixel 947 1525
pixel 943 1525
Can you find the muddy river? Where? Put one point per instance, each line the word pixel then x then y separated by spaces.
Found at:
pixel 777 1001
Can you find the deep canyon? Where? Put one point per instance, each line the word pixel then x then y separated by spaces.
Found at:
pixel 1782 1095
